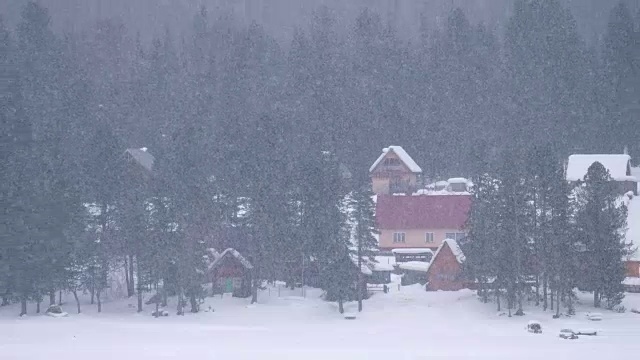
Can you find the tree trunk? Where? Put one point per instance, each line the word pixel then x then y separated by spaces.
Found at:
pixel 164 297
pixel 93 294
pixel 139 300
pixel 75 296
pixel 132 282
pixel 519 311
pixel 537 290
pixel 99 301
pixel 194 303
pixel 254 291
pixel 180 309
pixel 545 290
pixel 38 301
pixel 359 293
pixel 558 304
pixel 340 305
pixel 596 298
pixel 551 300
pixel 139 285
pixel 359 287
pixel 126 276
pixel 5 300
pixel 52 297
pixel 498 298
pixel 570 309
pixel 23 306
pixel 157 313
pixel 60 298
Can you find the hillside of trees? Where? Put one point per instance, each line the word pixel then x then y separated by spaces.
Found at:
pixel 232 115
pixel 281 17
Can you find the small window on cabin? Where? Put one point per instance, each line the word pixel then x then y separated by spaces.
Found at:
pixel 399 238
pixel 391 162
pixel 428 238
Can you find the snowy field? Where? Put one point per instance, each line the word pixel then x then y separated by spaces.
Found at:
pixel 405 324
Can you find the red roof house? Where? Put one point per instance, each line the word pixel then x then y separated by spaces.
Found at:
pixel 421 221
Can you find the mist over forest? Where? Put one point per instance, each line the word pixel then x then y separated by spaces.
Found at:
pixel 280 17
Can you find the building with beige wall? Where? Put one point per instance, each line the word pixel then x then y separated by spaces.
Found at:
pixel 394 171
pixel 421 221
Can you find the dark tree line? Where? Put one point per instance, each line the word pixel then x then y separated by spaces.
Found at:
pixel 534 236
pixel 251 133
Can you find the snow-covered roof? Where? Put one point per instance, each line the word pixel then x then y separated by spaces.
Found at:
pixel 443 192
pixel 455 248
pixel 230 252
pixel 458 180
pixel 142 157
pixel 631 281
pixel 415 266
pixel 402 154
pixel 377 266
pixel 412 251
pixel 617 164
pixel 385 260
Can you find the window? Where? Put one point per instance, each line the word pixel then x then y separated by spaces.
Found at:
pixel 455 236
pixel 391 162
pixel 428 238
pixel 399 238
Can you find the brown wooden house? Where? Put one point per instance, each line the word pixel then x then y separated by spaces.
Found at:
pixel 394 171
pixel 230 272
pixel 445 270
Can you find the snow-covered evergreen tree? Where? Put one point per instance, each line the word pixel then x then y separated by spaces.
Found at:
pixel 601 225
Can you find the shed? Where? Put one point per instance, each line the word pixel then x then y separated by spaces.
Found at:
pixel 445 270
pixel 231 272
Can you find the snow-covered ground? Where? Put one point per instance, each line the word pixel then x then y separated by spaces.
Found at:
pixel 407 323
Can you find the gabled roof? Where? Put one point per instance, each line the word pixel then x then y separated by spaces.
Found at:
pixel 404 157
pixel 619 166
pixel 142 157
pixel 233 253
pixel 426 266
pixel 455 249
pixel 422 212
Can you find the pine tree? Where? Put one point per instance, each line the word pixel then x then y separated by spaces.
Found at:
pixel 514 230
pixel 50 197
pixel 324 225
pixel 11 140
pixel 362 214
pixel 600 222
pixel 483 235
pixel 562 257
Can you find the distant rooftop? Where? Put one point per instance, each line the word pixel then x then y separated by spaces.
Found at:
pixel 402 154
pixel 142 157
pixel 619 166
